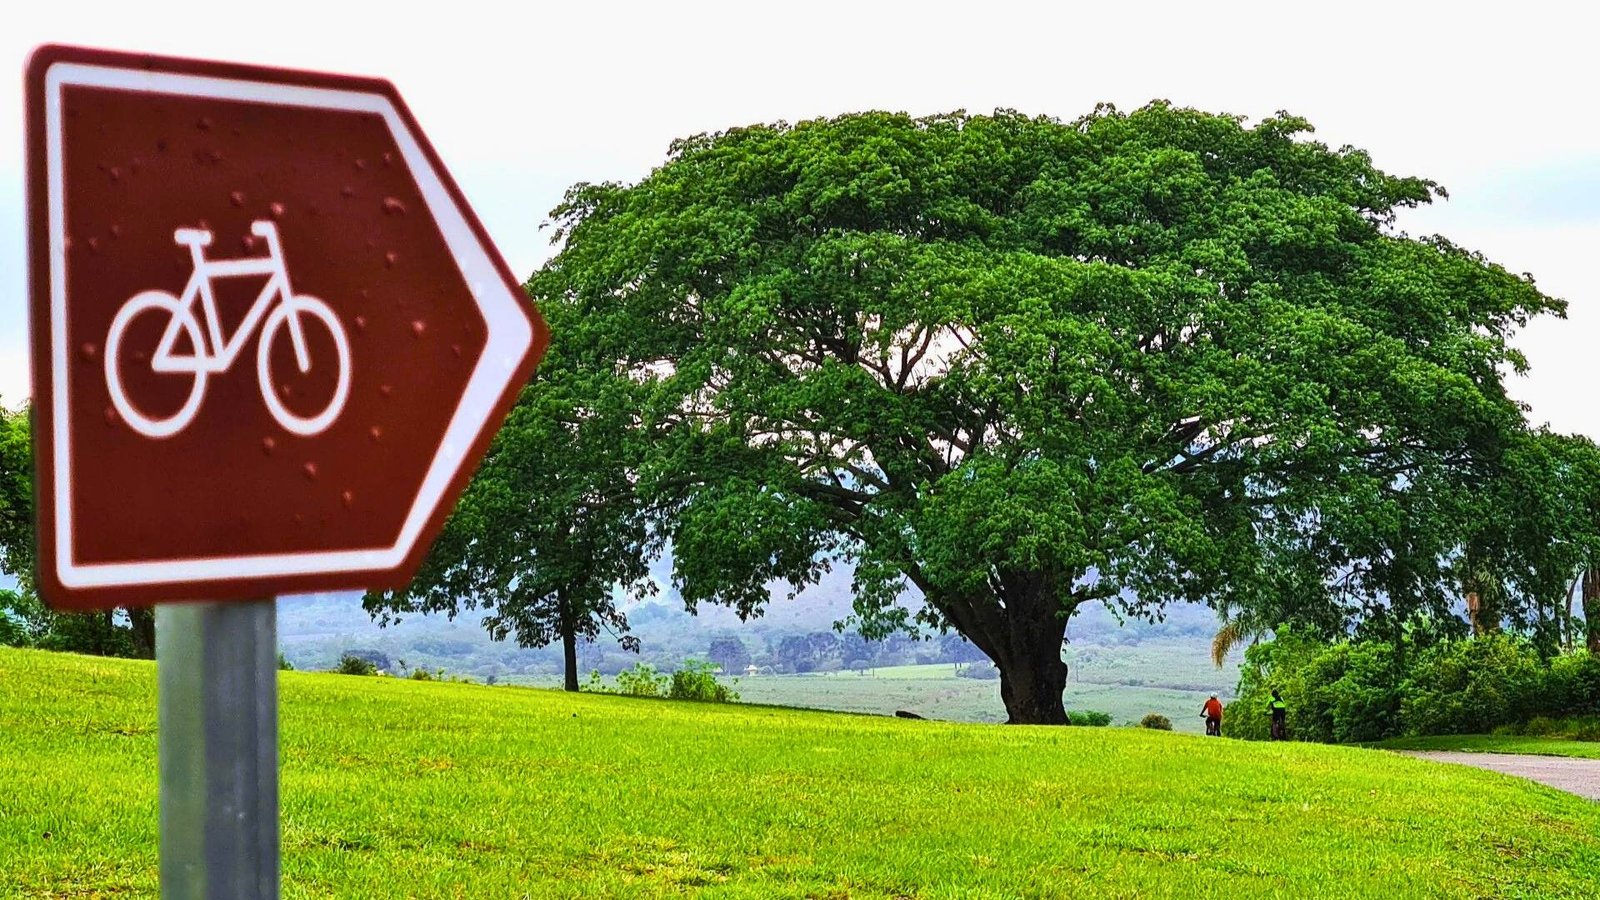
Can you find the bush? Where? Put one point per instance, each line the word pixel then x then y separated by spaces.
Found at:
pixel 983 671
pixel 1572 685
pixel 1587 729
pixel 355 665
pixel 1282 663
pixel 694 680
pixel 1471 686
pixel 1156 721
pixel 697 680
pixel 1364 690
pixel 1538 726
pixel 1092 718
pixel 283 663
pixel 641 680
pixel 1363 702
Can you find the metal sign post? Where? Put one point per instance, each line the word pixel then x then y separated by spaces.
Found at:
pixel 218 698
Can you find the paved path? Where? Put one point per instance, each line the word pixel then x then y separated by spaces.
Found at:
pixel 1575 776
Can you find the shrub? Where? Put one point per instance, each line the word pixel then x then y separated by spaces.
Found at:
pixel 1572 685
pixel 355 665
pixel 1092 718
pixel 283 663
pixel 1538 726
pixel 641 680
pixel 1586 729
pixel 1471 686
pixel 1156 721
pixel 1363 702
pixel 1281 663
pixel 696 680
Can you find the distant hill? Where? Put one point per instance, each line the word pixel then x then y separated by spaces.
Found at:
pixel 316 629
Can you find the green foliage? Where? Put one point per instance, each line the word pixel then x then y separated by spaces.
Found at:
pixel 697 680
pixel 1156 721
pixel 642 681
pixel 24 620
pixel 1022 364
pixel 1469 687
pixel 16 498
pixel 693 680
pixel 1572 685
pixel 355 665
pixel 283 663
pixel 1093 719
pixel 530 793
pixel 1362 691
pixel 547 529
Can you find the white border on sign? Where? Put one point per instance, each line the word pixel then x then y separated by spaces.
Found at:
pixel 509 334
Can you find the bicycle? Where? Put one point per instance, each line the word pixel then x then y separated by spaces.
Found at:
pixel 213 352
pixel 1213 726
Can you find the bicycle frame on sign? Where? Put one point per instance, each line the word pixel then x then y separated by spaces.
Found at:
pixel 199 286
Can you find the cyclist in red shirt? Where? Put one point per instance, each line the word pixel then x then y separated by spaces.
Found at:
pixel 1213 713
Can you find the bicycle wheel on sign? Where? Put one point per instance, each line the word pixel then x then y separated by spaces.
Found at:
pixel 143 360
pixel 306 379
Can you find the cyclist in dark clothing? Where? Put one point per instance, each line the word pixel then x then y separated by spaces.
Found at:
pixel 1280 716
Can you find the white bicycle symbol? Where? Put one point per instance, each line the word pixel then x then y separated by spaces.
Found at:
pixel 218 354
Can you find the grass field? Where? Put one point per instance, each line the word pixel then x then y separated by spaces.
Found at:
pixel 1491 743
pixel 398 789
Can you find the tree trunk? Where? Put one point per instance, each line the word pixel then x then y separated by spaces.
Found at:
pixel 569 643
pixel 1591 609
pixel 142 621
pixel 1022 629
pixel 1028 653
pixel 1031 687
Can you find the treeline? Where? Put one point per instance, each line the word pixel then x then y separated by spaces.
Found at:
pixel 1370 690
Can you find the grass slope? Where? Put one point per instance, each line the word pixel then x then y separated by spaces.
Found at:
pixel 1491 743
pixel 401 789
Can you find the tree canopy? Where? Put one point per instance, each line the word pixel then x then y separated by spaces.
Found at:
pixel 1024 364
pixel 16 496
pixel 547 530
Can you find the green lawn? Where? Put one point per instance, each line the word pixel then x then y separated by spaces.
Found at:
pixel 1490 743
pixel 398 789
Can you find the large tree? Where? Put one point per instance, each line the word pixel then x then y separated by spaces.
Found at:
pixel 1025 364
pixel 548 530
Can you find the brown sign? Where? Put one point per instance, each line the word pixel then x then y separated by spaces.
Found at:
pixel 270 339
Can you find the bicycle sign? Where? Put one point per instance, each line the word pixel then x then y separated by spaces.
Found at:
pixel 278 312
pixel 270 340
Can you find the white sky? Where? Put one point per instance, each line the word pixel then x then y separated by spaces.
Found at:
pixel 522 100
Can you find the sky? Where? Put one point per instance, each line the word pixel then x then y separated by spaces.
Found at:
pixel 523 100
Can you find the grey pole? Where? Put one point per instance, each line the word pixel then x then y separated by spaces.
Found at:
pixel 217 668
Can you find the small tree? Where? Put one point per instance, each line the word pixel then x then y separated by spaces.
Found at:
pixel 548 530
